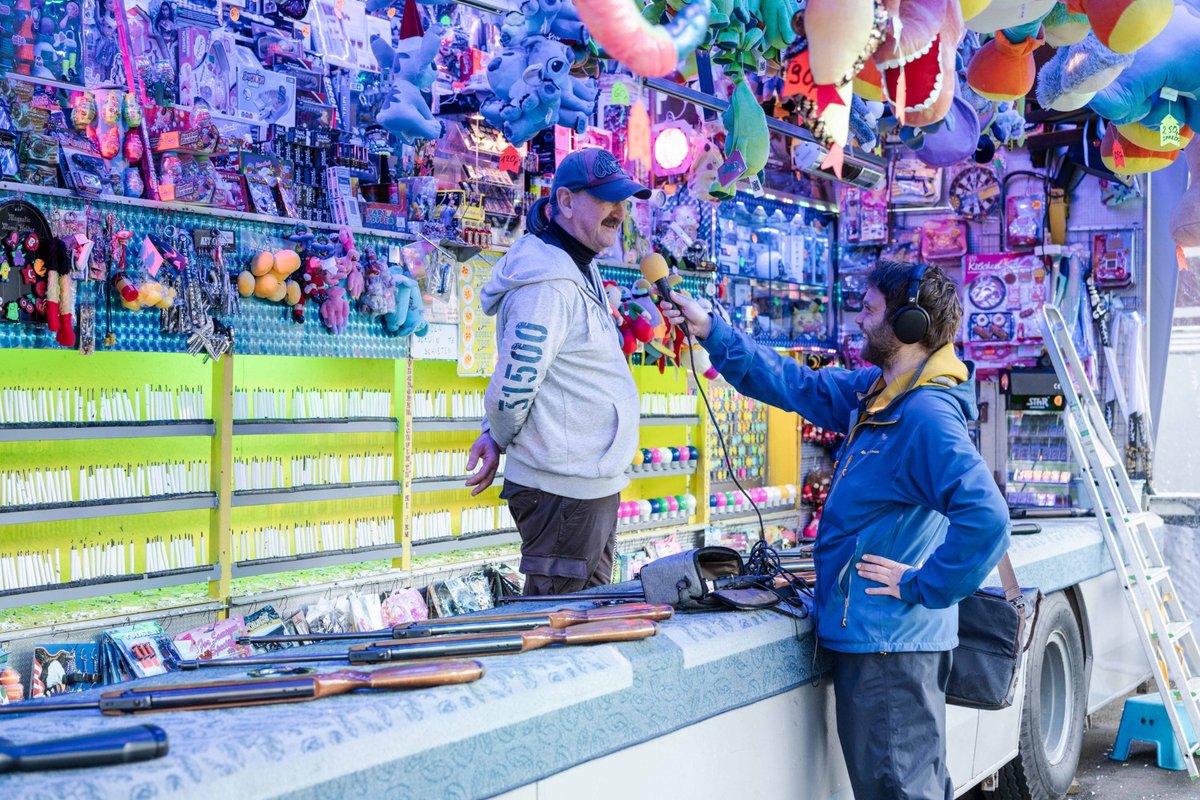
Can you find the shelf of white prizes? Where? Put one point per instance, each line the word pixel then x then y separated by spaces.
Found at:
pixel 286 427
pixel 71 431
pixel 112 507
pixel 496 538
pixel 314 492
pixel 439 424
pixel 102 587
pixel 455 483
pixel 324 558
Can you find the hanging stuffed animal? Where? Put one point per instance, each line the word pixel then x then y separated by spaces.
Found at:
pixel 647 49
pixel 533 89
pixel 1004 68
pixel 746 135
pixel 410 70
pixel 918 63
pixel 841 38
pixel 1070 79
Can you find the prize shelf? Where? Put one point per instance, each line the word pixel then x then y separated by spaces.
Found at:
pixel 102 587
pixel 114 507
pixel 468 542
pixel 263 427
pixel 323 558
pixel 748 515
pixel 70 431
pixel 311 494
pixel 431 424
pixel 456 483
pixel 667 525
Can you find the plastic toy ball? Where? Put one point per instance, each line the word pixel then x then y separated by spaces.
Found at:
pixel 722 500
pixel 656 506
pixel 674 454
pixel 656 455
pixel 638 458
pixel 672 505
pixel 646 455
pixel 644 509
pixel 712 501
pixel 685 454
pixel 693 453
pixel 690 500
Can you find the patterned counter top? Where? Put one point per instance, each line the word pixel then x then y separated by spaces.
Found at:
pixel 530 716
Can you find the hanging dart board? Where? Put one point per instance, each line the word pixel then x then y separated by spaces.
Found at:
pixel 26 251
pixel 975 193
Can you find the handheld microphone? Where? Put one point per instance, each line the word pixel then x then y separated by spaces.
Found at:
pixel 654 269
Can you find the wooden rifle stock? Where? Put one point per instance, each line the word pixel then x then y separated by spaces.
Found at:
pixel 268 691
pixel 484 624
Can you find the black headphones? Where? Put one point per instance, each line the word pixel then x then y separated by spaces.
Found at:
pixel 910 323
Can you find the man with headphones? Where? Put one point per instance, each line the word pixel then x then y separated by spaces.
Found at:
pixel 913 523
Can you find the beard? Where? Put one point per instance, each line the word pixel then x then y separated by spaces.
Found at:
pixel 882 345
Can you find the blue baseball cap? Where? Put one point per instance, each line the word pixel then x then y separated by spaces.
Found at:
pixel 597 171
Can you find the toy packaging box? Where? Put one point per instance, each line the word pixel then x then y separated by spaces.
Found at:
pixel 206 69
pixel 1002 297
pixel 266 97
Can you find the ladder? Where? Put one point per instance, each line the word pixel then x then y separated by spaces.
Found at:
pixel 1163 627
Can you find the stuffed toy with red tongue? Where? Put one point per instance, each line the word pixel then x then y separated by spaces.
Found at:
pixel 1004 68
pixel 952 140
pixel 918 64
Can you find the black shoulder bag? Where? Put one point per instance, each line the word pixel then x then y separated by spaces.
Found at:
pixel 991 641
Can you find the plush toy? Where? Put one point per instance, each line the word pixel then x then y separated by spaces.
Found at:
pixel 918 63
pixel 952 140
pixel 1064 28
pixel 1123 157
pixel 1185 218
pixel 349 268
pixel 746 135
pixel 972 8
pixel 1003 14
pixel 1124 26
pixel 1004 68
pixel 408 317
pixel 649 50
pixel 411 70
pixel 269 277
pixel 533 89
pixel 557 18
pixel 1171 61
pixel 744 33
pixel 1070 79
pixel 702 175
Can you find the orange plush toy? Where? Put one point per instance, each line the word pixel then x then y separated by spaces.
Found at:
pixel 1004 68
pixel 1127 158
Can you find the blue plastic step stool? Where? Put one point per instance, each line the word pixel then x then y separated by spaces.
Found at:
pixel 1144 719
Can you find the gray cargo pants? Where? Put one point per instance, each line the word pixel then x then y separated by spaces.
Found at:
pixel 566 544
pixel 891 718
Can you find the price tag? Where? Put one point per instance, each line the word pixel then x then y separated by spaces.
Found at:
pixel 305 31
pixel 798 77
pixel 1180 258
pixel 1118 155
pixel 341 5
pixel 510 160
pixel 620 94
pixel 235 14
pixel 391 12
pixel 732 169
pixel 1168 132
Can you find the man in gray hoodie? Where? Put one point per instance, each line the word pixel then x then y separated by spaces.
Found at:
pixel 562 403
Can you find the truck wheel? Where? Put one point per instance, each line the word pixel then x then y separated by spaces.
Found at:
pixel 1052 719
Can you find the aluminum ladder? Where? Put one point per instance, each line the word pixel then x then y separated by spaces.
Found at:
pixel 1163 627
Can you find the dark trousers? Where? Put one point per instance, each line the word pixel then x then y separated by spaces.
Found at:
pixel 566 544
pixel 891 719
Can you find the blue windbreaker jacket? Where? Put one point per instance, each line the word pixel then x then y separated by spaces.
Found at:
pixel 908 486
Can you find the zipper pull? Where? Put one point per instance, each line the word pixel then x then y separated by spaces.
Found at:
pixel 848 460
pixel 845 610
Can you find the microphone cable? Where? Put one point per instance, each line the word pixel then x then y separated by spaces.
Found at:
pixel 692 345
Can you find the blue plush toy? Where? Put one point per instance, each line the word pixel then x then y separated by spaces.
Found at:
pixel 530 80
pixel 404 111
pixel 409 315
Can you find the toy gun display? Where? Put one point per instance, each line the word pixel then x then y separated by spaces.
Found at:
pixel 123 746
pixel 478 644
pixel 291 689
pixel 564 618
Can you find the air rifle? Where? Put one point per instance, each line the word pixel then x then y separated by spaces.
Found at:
pixel 494 624
pixel 476 644
pixel 292 689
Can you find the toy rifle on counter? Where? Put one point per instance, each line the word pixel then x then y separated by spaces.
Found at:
pixel 122 746
pixel 564 618
pixel 291 689
pixel 477 644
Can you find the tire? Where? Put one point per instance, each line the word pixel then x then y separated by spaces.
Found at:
pixel 1052 719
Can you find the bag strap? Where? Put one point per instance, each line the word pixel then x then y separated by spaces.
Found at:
pixel 1008 578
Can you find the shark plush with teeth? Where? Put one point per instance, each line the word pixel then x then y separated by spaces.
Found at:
pixel 917 59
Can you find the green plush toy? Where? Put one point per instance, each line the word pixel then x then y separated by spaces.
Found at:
pixel 746 134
